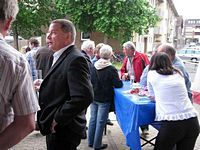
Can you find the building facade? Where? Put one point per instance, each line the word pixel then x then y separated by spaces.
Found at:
pixel 192 31
pixel 167 30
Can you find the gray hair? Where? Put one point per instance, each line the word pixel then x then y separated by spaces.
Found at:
pixel 8 9
pixel 106 51
pixel 87 45
pixel 66 26
pixel 129 45
pixel 167 48
pixel 98 47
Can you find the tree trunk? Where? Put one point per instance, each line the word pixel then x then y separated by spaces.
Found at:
pixel 43 40
pixel 105 39
pixel 15 36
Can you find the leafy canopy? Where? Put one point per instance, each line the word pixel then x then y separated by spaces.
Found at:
pixel 115 18
pixel 32 16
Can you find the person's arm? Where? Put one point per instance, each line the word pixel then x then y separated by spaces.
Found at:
pixel 187 83
pixel 123 71
pixel 151 92
pixel 32 65
pixel 143 78
pixel 186 76
pixel 17 130
pixel 116 80
pixel 149 86
pixel 33 68
pixel 146 59
pixel 81 92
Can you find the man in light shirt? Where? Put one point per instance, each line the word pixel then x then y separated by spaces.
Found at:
pixel 18 102
pixel 30 56
pixel 177 63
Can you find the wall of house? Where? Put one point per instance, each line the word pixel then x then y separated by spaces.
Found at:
pixel 98 37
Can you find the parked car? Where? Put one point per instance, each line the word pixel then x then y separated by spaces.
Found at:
pixel 10 39
pixel 189 54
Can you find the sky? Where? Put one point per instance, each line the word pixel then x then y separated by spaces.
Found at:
pixel 189 9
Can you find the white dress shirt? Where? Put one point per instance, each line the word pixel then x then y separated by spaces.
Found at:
pixel 58 53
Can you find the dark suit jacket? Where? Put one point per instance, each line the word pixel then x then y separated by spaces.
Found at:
pixel 65 93
pixel 44 58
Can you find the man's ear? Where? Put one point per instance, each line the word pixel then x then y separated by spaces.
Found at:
pixel 68 37
pixel 7 24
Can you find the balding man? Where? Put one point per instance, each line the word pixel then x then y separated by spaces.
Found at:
pixel 177 63
pixel 134 62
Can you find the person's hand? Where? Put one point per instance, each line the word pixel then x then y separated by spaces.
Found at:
pixel 37 84
pixel 125 76
pixel 54 123
pixel 152 97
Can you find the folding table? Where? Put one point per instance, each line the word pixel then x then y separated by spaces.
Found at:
pixel 132 111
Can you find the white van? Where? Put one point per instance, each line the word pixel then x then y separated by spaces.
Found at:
pixel 189 54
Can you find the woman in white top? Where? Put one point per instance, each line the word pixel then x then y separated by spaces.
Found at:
pixel 179 123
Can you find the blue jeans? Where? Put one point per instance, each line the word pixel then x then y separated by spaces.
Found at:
pixel 98 117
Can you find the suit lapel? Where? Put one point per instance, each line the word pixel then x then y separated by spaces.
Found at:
pixel 60 59
pixel 50 62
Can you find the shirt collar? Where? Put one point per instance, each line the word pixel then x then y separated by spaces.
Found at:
pixel 35 48
pixel 58 53
pixel 175 59
pixel 1 37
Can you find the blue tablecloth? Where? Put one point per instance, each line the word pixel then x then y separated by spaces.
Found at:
pixel 132 111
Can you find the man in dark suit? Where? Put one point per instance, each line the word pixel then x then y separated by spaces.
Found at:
pixel 66 90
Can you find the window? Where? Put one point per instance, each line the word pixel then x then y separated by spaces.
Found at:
pixel 85 36
pixel 197 33
pixel 181 51
pixel 190 52
pixel 197 52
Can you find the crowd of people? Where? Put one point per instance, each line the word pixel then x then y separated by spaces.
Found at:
pixel 74 79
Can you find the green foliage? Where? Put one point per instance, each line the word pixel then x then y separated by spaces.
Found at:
pixel 34 14
pixel 115 18
pixel 117 65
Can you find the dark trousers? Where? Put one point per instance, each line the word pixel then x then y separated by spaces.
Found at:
pixel 144 127
pixel 55 142
pixel 182 133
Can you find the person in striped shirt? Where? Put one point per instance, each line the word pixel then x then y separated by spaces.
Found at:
pixel 18 101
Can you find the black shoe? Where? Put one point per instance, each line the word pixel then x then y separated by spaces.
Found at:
pixel 103 146
pixel 84 135
pixel 90 146
pixel 109 122
pixel 36 126
pixel 144 133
